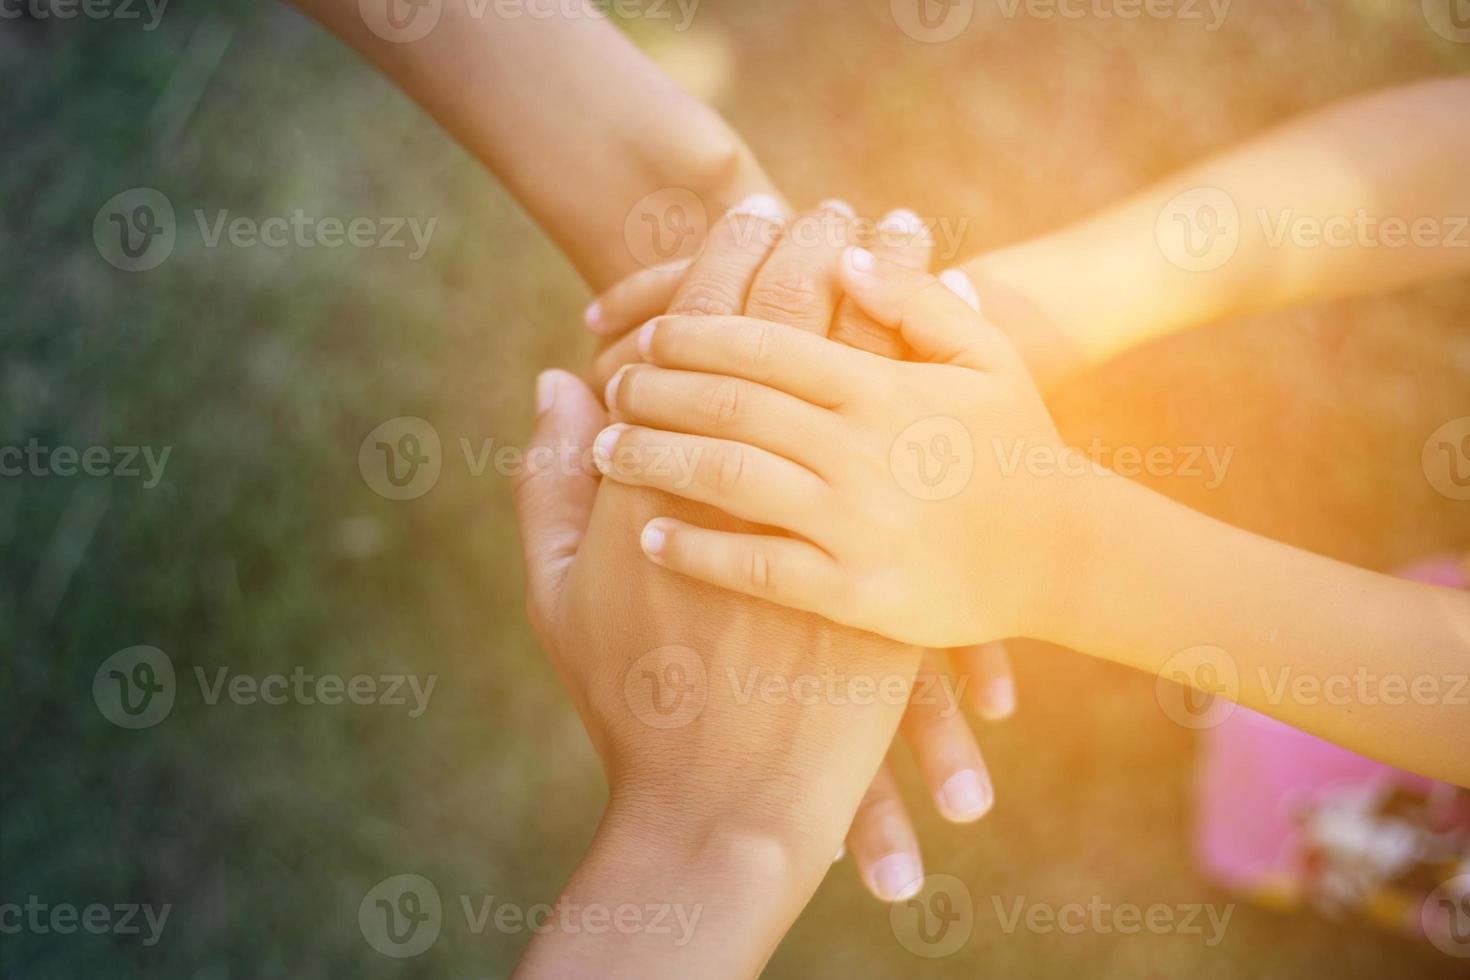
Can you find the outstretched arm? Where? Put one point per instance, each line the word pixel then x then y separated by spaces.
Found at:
pixel 575 120
pixel 1361 197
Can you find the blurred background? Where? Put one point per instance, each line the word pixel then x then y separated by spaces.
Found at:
pixel 261 548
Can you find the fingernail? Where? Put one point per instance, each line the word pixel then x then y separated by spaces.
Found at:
pixel 840 207
pixel 652 539
pixel 902 220
pixel 966 795
pixel 996 699
pixel 610 393
pixel 861 260
pixel 593 317
pixel 645 339
pixel 545 392
pixel 602 448
pixel 841 853
pixel 897 877
pixel 960 285
pixel 761 206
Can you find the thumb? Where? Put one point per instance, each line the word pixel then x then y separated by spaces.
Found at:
pixel 940 326
pixel 556 487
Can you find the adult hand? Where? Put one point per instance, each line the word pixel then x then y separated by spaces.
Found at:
pixel 737 737
pixel 797 286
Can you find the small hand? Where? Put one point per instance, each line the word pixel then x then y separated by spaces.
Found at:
pixel 911 484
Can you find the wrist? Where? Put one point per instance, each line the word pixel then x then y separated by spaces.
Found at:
pixel 1087 511
pixel 721 894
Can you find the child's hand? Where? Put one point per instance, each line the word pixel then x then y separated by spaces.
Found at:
pixel 917 486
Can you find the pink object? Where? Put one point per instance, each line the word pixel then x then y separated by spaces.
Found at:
pixel 1291 820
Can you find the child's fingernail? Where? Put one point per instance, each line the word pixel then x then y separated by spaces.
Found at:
pixel 602 447
pixel 593 317
pixel 902 220
pixel 761 206
pixel 545 392
pixel 897 877
pixel 652 539
pixel 838 206
pixel 841 853
pixel 861 260
pixel 610 393
pixel 996 699
pixel 960 285
pixel 645 339
pixel 966 795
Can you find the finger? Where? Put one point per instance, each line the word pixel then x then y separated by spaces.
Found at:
pixel 613 358
pixel 938 325
pixel 797 362
pixel 554 492
pixel 720 279
pixel 901 237
pixel 944 747
pixel 638 298
pixel 990 686
pixel 883 843
pixel 781 570
pixel 728 408
pixel 797 285
pixel 747 483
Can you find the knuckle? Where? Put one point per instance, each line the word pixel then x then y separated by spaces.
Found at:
pixel 788 294
pixel 757 346
pixel 758 568
pixel 865 333
pixel 707 297
pixel 721 404
pixel 727 472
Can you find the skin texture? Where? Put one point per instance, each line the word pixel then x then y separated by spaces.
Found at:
pixel 1211 606
pixel 751 795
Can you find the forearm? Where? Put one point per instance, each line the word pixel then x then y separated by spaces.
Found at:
pixel 1326 207
pixel 545 103
pixel 1372 663
pixel 722 903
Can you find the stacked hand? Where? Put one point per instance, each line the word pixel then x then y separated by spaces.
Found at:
pixel 798 288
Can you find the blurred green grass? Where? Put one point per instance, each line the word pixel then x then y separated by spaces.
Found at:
pixel 262 549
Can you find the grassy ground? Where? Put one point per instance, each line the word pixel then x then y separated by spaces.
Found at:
pixel 262 549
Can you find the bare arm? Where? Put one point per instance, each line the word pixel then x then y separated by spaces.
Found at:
pixel 1372 663
pixel 574 119
pixel 1361 197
